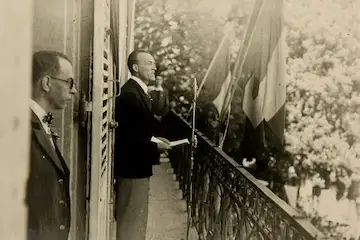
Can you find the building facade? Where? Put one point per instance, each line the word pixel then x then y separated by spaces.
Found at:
pixel 97 35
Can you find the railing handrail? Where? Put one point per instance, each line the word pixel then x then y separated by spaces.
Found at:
pixel 297 219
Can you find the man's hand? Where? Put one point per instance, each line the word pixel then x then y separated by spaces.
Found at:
pixel 195 142
pixel 249 164
pixel 158 118
pixel 163 146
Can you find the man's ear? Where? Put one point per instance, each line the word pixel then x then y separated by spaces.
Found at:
pixel 135 67
pixel 45 83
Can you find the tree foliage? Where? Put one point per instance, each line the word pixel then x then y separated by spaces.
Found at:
pixel 322 124
pixel 182 42
pixel 323 77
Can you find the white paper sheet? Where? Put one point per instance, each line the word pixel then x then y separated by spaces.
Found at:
pixel 155 140
pixel 173 143
pixel 179 142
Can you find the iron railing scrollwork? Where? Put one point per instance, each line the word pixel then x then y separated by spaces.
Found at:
pixel 227 201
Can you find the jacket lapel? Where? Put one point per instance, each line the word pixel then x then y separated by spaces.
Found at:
pixel 145 98
pixel 63 162
pixel 44 140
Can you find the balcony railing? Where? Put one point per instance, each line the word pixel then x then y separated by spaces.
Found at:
pixel 227 202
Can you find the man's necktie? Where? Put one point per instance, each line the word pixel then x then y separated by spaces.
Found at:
pixel 55 136
pixel 48 118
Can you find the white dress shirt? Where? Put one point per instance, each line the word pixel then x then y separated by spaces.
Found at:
pixel 155 88
pixel 40 113
pixel 141 83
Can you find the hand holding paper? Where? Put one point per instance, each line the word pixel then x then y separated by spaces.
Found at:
pixel 171 144
pixel 155 140
pixel 179 142
pixel 164 140
pixel 162 146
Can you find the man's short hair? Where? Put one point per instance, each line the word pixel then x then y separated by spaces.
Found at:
pixel 46 63
pixel 133 58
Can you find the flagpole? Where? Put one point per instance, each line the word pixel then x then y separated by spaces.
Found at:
pixel 193 147
pixel 234 80
pixel 227 32
pixel 222 140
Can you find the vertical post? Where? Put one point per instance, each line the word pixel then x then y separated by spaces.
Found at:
pixel 131 28
pixel 131 25
pixel 97 86
pixel 193 147
pixel 123 22
pixel 15 88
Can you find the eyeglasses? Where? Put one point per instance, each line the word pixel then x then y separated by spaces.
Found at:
pixel 70 81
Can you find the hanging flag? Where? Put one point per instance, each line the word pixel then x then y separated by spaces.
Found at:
pixel 265 90
pixel 219 103
pixel 233 81
pixel 218 71
pixel 214 88
pixel 223 95
pixel 261 70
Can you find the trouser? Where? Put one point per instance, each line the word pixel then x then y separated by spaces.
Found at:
pixel 132 200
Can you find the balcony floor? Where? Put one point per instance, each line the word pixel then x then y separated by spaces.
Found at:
pixel 167 211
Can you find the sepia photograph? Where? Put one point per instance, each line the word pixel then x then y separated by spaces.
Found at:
pixel 180 120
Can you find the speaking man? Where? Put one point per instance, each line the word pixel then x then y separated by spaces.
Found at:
pixel 135 153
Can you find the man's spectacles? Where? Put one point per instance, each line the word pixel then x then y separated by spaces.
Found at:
pixel 70 81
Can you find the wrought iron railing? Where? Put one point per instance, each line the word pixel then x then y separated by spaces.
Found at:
pixel 227 202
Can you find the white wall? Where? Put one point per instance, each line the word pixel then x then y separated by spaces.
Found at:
pixel 15 75
pixel 56 27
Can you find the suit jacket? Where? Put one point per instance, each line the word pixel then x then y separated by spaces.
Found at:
pixel 47 193
pixel 134 152
pixel 160 103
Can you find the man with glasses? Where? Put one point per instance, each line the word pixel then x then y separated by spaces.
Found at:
pixel 48 196
pixel 135 153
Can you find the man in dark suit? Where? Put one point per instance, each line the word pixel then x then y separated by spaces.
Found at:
pixel 47 196
pixel 160 97
pixel 135 153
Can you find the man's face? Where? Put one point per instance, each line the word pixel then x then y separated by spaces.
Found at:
pixel 159 81
pixel 60 88
pixel 213 119
pixel 146 67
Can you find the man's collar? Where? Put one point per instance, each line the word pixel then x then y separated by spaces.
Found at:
pixel 40 113
pixel 159 88
pixel 141 83
pixel 153 88
pixel 38 110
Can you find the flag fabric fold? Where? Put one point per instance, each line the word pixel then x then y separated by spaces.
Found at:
pixel 263 76
pixel 223 95
pixel 260 69
pixel 219 68
pixel 214 88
